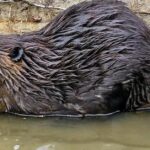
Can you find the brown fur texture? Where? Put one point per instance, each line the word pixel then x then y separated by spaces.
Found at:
pixel 93 58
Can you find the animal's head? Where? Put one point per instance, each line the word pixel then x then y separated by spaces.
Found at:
pixel 11 57
pixel 24 75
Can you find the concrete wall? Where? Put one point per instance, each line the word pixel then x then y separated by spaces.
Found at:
pixel 18 16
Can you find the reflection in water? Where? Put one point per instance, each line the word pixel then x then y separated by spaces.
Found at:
pixel 120 132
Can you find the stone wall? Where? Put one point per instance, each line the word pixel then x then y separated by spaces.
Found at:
pixel 18 16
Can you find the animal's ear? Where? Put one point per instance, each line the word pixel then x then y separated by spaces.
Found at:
pixel 16 54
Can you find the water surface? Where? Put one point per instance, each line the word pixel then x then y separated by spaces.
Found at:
pixel 120 132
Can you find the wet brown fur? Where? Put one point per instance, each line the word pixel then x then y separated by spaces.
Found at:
pixel 92 58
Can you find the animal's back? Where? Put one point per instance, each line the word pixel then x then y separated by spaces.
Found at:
pixel 102 43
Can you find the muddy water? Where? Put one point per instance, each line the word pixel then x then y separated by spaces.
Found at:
pixel 120 132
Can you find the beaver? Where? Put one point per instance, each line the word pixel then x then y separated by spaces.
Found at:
pixel 93 58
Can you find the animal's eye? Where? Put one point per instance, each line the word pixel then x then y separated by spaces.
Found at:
pixel 16 54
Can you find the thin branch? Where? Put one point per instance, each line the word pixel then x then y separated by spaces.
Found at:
pixel 143 13
pixel 6 1
pixel 32 4
pixel 41 5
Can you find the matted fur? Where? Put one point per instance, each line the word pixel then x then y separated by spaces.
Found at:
pixel 93 58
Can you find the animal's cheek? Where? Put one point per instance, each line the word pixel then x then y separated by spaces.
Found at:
pixel 10 66
pixel 3 97
pixel 2 105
